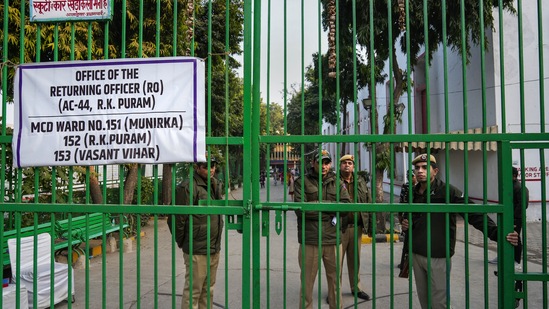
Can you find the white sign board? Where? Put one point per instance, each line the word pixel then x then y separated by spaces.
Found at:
pixel 107 112
pixel 65 10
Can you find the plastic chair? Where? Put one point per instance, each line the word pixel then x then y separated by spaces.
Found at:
pixel 43 275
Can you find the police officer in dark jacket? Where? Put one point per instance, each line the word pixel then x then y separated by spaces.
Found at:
pixel 438 230
pixel 519 204
pixel 198 292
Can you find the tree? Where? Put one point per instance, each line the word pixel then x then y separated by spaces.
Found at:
pixel 275 116
pixel 385 46
pixel 304 107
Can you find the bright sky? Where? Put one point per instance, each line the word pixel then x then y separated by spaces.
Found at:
pixel 294 67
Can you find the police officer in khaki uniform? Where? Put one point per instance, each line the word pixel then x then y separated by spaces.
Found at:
pixel 350 245
pixel 308 223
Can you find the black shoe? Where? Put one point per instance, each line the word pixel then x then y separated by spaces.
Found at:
pixel 362 295
pixel 327 300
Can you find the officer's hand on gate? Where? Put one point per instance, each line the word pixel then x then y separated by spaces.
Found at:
pixel 513 238
pixel 404 224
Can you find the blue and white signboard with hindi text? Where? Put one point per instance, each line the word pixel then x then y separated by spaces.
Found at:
pixel 148 111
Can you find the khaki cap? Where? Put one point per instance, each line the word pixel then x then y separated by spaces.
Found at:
pixel 347 157
pixel 423 158
pixel 325 155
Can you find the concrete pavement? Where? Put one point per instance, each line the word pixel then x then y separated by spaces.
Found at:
pixel 279 285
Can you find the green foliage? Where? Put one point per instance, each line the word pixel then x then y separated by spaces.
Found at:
pixel 182 171
pixel 226 88
pixel 276 119
pixel 147 193
pixel 382 44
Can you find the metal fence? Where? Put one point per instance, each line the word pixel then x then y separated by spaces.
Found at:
pixel 383 81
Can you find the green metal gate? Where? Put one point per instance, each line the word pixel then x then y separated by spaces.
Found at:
pixel 461 80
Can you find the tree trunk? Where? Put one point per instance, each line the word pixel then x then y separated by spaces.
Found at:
pixel 95 189
pixel 383 148
pixel 130 183
pixel 344 132
pixel 380 216
pixel 167 184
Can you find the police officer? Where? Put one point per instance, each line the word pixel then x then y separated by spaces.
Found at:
pixel 351 246
pixel 198 292
pixel 308 222
pixel 438 228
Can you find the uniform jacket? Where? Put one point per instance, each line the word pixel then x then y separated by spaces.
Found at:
pixel 363 197
pixel 200 222
pixel 517 204
pixel 438 221
pixel 310 194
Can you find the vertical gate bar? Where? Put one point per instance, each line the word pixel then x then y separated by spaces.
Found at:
pixel 542 157
pixel 121 167
pixel 409 152
pixel 524 236
pixel 268 116
pixel 249 50
pixel 18 260
pixel 121 217
pixel 543 229
pixel 70 252
pixel 428 146
pixel 208 162
pixel 340 128
pixel 392 126
pixel 285 261
pixel 373 130
pixel 267 171
pixel 35 244
pixel 506 295
pixel 356 245
pixel 541 69
pixel 484 152
pixel 502 67
pixel 69 238
pixel 521 67
pixel 138 239
pixel 3 128
pixel 266 214
pixel 465 151
pixel 87 201
pixel 155 229
pixel 104 241
pixel 521 90
pixel 252 150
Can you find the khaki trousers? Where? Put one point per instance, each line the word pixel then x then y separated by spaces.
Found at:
pixel 437 279
pixel 309 269
pixel 200 285
pixel 350 249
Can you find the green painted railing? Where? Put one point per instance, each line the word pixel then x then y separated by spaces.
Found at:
pixel 457 79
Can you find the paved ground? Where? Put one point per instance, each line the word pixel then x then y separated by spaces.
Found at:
pixel 161 277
